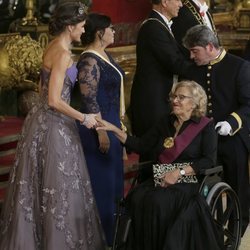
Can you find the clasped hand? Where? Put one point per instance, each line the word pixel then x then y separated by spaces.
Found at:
pixel 89 120
pixel 170 178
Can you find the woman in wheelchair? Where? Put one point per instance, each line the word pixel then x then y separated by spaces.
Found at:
pixel 167 211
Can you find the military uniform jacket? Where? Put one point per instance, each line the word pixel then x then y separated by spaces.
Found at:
pixel 226 81
pixel 159 57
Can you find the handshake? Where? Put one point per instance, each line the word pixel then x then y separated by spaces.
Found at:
pixel 223 128
pixel 91 121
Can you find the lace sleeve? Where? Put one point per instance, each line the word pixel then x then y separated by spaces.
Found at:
pixel 88 77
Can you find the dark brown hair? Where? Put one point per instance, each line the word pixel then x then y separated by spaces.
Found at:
pixel 67 13
pixel 94 23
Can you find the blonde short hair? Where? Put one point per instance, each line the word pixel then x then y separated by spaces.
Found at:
pixel 198 95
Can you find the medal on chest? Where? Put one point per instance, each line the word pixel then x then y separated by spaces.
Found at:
pixel 168 142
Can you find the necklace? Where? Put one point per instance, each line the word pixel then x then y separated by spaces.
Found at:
pixel 169 141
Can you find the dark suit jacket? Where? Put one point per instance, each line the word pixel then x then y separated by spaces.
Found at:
pixel 227 84
pixel 158 58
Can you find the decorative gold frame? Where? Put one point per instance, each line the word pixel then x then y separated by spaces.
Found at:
pixel 228 18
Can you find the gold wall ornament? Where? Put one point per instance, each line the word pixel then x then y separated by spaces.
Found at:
pixel 4 69
pixel 29 19
pixel 226 13
pixel 246 4
pixel 243 16
pixel 24 63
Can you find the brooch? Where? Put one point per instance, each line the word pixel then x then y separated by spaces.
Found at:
pixel 168 142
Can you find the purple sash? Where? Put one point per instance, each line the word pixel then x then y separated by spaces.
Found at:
pixel 183 140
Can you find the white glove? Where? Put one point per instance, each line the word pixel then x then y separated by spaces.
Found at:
pixel 223 128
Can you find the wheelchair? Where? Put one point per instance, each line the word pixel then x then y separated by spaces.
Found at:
pixel 220 197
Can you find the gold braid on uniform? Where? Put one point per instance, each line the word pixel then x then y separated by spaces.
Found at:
pixel 219 58
pixel 239 121
pixel 194 12
pixel 197 15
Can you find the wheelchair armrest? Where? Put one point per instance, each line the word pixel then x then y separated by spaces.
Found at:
pixel 210 171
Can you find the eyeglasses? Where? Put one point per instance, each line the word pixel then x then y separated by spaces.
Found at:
pixel 180 98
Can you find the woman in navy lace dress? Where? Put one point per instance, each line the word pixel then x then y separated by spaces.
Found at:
pixel 50 203
pixel 101 85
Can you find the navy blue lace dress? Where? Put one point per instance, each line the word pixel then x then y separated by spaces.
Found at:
pixel 100 82
pixel 50 203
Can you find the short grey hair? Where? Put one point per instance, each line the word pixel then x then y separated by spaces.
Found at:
pixel 200 35
pixel 198 95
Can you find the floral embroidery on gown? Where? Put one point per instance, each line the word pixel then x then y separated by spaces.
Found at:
pixel 50 204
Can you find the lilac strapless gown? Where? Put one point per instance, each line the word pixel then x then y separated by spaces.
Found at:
pixel 50 204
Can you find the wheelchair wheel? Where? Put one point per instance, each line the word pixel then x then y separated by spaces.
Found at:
pixel 225 209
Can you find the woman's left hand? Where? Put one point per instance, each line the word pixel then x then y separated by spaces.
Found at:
pixel 170 178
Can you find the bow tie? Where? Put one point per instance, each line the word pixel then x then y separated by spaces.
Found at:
pixel 169 23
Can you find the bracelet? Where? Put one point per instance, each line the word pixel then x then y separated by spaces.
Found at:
pixel 84 118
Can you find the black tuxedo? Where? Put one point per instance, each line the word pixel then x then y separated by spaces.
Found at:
pixel 159 57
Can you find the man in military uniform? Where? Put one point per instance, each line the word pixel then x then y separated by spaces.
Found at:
pixel 226 79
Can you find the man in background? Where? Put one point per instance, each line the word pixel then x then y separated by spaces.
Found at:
pixel 159 62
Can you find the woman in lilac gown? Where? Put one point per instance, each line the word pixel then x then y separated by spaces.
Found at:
pixel 101 86
pixel 50 204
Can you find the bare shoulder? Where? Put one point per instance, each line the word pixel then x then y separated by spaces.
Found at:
pixel 56 55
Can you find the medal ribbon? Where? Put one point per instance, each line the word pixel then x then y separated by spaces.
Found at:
pixel 182 141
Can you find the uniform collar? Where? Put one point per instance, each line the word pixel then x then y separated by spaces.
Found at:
pixel 219 57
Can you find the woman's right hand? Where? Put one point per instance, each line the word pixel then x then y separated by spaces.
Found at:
pixel 89 120
pixel 170 178
pixel 104 125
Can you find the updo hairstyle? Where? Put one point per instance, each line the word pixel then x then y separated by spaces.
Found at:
pixel 67 13
pixel 95 22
